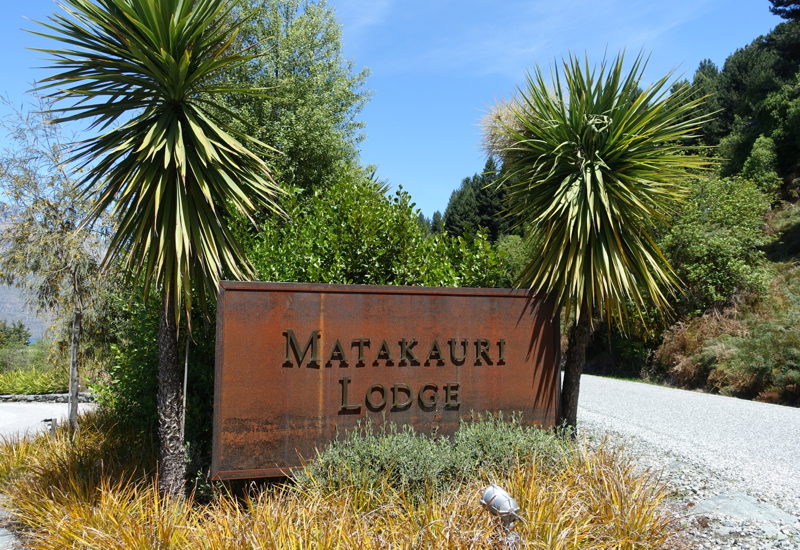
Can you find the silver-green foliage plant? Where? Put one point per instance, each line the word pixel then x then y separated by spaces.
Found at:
pixel 166 161
pixel 425 464
pixel 41 251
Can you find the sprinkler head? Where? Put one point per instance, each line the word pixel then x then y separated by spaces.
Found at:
pixel 499 503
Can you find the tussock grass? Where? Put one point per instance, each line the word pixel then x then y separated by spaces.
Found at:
pixel 92 493
pixel 102 451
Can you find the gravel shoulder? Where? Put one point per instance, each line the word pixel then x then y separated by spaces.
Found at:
pixel 734 465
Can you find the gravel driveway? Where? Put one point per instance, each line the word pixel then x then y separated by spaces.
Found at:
pixel 735 464
pixel 17 418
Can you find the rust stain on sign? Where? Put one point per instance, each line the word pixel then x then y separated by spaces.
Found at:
pixel 295 362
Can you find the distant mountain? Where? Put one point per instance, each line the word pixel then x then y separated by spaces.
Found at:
pixel 12 303
pixel 12 308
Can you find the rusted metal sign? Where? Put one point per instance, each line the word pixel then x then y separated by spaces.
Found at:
pixel 297 362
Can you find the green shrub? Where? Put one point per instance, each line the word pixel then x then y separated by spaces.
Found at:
pixel 419 463
pixel 354 233
pixel 129 389
pixel 750 352
pixel 714 241
pixel 760 167
pixel 764 363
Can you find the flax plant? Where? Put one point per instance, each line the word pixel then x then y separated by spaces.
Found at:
pixel 166 162
pixel 34 381
pixel 591 162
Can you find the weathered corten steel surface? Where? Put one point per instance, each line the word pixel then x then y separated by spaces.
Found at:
pixel 297 361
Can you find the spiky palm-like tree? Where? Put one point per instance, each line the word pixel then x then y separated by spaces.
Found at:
pixel 592 161
pixel 165 163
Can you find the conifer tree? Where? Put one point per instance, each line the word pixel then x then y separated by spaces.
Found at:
pixel 787 9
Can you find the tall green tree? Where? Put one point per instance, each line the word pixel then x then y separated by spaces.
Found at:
pixel 704 84
pixel 40 250
pixel 170 168
pixel 14 334
pixel 461 213
pixel 596 161
pixel 758 94
pixel 479 202
pixel 314 96
pixel 787 9
pixel 704 87
pixel 437 223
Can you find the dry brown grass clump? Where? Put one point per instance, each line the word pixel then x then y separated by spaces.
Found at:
pixel 597 500
pixel 684 340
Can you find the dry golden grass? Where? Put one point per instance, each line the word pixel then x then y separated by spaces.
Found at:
pixel 88 494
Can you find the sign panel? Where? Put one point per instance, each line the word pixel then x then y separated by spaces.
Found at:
pixel 298 364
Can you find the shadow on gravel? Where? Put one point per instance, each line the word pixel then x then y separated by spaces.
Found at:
pixel 740 505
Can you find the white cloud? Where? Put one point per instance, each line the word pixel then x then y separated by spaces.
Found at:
pixel 360 15
pixel 481 37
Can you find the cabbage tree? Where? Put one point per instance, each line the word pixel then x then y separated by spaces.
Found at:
pixel 592 161
pixel 164 159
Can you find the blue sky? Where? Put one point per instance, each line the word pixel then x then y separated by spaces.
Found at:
pixel 436 64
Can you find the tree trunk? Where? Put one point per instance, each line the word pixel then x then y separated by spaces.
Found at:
pixel 576 359
pixel 74 380
pixel 170 399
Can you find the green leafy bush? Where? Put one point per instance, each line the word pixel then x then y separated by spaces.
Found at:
pixel 751 352
pixel 354 233
pixel 763 363
pixel 716 245
pixel 421 464
pixel 714 241
pixel 130 386
pixel 760 167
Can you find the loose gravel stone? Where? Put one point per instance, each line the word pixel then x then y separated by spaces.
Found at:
pixel 723 503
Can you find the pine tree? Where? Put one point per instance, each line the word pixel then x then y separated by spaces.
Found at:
pixel 478 203
pixel 787 9
pixel 437 224
pixel 462 210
